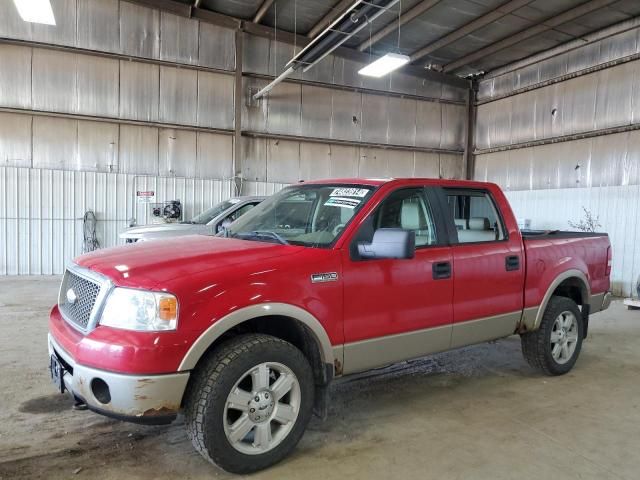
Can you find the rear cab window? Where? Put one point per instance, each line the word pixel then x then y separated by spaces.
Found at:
pixel 475 216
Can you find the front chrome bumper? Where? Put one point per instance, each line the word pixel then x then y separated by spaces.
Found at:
pixel 150 399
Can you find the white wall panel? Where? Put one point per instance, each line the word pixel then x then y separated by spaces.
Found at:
pixel 428 124
pixel 617 210
pixel 346 119
pixel 97 147
pixel 138 150
pixel 139 91
pixel 215 100
pixel 316 112
pixel 402 121
pixel 283 161
pixel 54 142
pixel 98 81
pixel 215 156
pixel 217 47
pixel 178 95
pixel 15 76
pixel 375 118
pixel 54 81
pixel 284 107
pixel 15 140
pixel 176 153
pixel 139 30
pixel 179 39
pixel 98 25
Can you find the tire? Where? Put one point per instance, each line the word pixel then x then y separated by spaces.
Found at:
pixel 216 420
pixel 540 349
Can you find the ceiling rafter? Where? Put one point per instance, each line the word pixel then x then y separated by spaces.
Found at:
pixel 264 8
pixel 470 27
pixel 337 10
pixel 405 18
pixel 537 29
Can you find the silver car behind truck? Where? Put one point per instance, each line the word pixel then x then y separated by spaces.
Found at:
pixel 209 222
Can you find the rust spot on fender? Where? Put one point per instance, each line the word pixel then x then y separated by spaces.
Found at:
pixel 337 365
pixel 160 411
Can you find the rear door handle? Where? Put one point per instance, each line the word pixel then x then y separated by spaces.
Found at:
pixel 441 270
pixel 512 262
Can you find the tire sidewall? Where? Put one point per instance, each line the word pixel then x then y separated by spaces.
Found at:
pixel 215 439
pixel 556 307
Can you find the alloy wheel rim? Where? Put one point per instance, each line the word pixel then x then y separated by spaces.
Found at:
pixel 564 337
pixel 262 408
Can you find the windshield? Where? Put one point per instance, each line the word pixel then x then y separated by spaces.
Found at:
pixel 208 215
pixel 309 215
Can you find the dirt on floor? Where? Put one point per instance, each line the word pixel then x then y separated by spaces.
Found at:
pixel 475 413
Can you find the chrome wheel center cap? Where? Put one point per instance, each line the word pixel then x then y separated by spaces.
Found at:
pixel 261 406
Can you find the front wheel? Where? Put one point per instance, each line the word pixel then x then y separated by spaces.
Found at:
pixel 555 346
pixel 249 403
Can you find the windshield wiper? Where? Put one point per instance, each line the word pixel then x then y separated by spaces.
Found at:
pixel 260 234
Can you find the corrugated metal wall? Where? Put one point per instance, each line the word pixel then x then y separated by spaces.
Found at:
pixel 41 211
pixel 117 94
pixel 564 133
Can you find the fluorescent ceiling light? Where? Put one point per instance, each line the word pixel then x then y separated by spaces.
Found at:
pixel 384 65
pixel 35 11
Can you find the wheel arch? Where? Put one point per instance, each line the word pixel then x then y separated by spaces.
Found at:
pixel 573 284
pixel 250 314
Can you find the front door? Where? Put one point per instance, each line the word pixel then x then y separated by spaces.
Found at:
pixel 398 309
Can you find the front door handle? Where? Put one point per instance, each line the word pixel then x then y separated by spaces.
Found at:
pixel 441 270
pixel 512 262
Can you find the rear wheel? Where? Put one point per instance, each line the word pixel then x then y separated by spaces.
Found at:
pixel 249 403
pixel 555 346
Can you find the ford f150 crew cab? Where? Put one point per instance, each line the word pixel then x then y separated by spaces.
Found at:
pixel 244 334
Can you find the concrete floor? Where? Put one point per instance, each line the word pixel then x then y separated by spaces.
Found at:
pixel 476 413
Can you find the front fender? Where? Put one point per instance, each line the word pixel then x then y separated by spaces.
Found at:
pixel 215 331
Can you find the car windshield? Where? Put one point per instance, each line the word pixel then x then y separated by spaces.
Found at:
pixel 308 215
pixel 208 215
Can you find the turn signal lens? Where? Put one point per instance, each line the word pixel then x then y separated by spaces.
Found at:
pixel 167 308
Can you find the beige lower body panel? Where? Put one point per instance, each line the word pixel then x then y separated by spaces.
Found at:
pixel 377 352
pixel 484 329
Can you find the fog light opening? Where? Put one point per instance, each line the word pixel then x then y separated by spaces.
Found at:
pixel 100 390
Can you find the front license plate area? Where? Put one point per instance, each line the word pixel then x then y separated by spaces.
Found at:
pixel 57 373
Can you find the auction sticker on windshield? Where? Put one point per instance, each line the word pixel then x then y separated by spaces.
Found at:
pixel 349 192
pixel 342 202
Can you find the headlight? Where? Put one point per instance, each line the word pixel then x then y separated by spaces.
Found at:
pixel 141 310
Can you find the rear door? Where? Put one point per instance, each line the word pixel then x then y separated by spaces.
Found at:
pixel 488 268
pixel 395 309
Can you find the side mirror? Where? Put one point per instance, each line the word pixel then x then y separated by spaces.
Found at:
pixel 389 243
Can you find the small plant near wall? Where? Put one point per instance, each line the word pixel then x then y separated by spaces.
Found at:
pixel 589 223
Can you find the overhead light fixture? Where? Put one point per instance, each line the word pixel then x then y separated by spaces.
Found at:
pixel 35 11
pixel 384 65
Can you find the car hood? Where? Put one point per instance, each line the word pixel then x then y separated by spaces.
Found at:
pixel 149 264
pixel 163 229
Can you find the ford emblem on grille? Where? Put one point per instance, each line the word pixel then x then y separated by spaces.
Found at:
pixel 72 298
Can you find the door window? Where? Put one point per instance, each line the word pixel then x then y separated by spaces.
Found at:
pixel 407 209
pixel 475 216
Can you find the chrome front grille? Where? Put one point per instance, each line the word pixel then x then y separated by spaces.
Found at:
pixel 80 297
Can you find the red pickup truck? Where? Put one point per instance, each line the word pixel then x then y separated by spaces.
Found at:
pixel 245 333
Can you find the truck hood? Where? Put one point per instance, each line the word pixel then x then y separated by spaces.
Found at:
pixel 163 229
pixel 149 264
